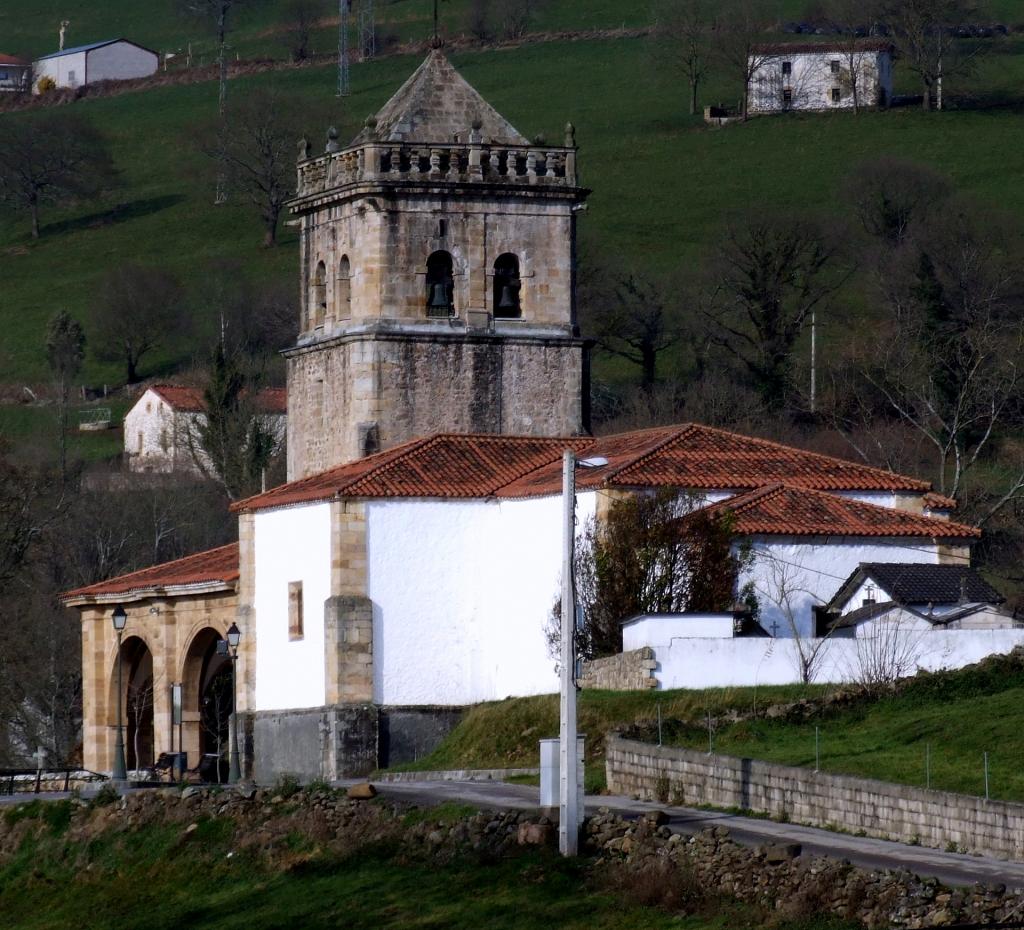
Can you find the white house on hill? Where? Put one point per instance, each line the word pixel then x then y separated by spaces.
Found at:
pixel 112 60
pixel 820 75
pixel 160 429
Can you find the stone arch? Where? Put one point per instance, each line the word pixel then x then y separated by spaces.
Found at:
pixel 343 289
pixel 506 287
pixel 137 697
pixel 207 702
pixel 440 296
pixel 318 295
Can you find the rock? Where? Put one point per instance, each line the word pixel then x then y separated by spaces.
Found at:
pixel 535 834
pixel 248 792
pixel 361 792
pixel 190 792
pixel 191 828
pixel 782 852
pixel 657 818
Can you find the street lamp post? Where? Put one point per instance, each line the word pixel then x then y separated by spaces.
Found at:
pixel 119 771
pixel 569 813
pixel 234 768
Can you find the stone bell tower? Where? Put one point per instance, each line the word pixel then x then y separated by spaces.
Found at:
pixel 437 280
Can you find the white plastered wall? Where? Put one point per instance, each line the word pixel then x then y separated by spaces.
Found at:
pixel 811 81
pixel 462 592
pixel 119 62
pixel 292 544
pixel 790 575
pixel 66 70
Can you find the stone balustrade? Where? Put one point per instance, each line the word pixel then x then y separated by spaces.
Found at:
pixel 456 163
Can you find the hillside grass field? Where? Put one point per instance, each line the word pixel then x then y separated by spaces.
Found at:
pixel 663 183
pixel 160 877
pixel 958 715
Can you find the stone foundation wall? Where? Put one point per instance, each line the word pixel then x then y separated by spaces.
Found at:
pixel 912 815
pixel 627 671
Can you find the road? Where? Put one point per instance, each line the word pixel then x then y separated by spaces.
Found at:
pixel 949 868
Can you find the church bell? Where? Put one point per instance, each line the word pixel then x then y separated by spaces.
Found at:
pixel 438 297
pixel 508 299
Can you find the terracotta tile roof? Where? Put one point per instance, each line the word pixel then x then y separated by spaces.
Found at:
pixel 12 60
pixel 213 566
pixel 688 456
pixel 934 501
pixel 781 510
pixel 445 465
pixel 705 458
pixel 190 399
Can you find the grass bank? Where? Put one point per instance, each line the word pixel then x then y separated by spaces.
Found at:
pixel 106 870
pixel 934 730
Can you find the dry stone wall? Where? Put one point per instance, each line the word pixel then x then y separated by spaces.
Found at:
pixel 939 819
pixel 627 671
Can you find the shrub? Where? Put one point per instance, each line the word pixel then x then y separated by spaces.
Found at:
pixel 107 795
pixel 46 85
pixel 287 786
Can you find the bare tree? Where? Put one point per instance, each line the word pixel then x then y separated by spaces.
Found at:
pixel 516 16
pixel 771 274
pixel 65 350
pixel 925 32
pixel 478 20
pixel 634 319
pixel 302 17
pixel 136 310
pixel 950 361
pixel 848 18
pixel 52 158
pixel 889 648
pixel 891 196
pixel 682 37
pixel 786 589
pixel 738 42
pixel 257 152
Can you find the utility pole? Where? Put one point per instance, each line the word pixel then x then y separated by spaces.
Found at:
pixel 814 362
pixel 344 88
pixel 568 807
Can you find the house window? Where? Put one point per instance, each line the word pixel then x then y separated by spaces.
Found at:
pixel 138 443
pixel 507 285
pixel 149 407
pixel 344 289
pixel 319 296
pixel 836 95
pixel 3 76
pixel 295 628
pixel 834 66
pixel 71 78
pixel 164 445
pixel 787 68
pixel 787 96
pixel 440 285
pixel 442 228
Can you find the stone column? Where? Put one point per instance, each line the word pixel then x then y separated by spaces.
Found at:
pixel 348 647
pixel 246 615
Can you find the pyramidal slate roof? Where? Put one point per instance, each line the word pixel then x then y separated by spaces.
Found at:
pixel 934 584
pixel 437 104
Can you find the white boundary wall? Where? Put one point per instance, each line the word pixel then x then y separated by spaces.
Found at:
pixel 689 662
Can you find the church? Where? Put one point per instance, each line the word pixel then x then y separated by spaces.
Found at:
pixel 409 565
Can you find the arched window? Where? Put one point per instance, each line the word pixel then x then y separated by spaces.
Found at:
pixel 318 298
pixel 440 285
pixel 506 287
pixel 343 290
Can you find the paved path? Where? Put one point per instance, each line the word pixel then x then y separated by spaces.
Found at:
pixel 949 868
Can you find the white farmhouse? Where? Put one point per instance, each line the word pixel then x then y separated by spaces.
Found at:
pixel 15 74
pixel 820 75
pixel 112 60
pixel 160 429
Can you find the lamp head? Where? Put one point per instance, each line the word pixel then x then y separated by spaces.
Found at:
pixel 119 618
pixel 234 635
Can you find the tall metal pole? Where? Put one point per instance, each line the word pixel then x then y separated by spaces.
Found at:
pixel 568 806
pixel 344 88
pixel 120 770
pixel 234 769
pixel 814 363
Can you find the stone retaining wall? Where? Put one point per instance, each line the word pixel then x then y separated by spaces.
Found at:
pixel 940 819
pixel 627 671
